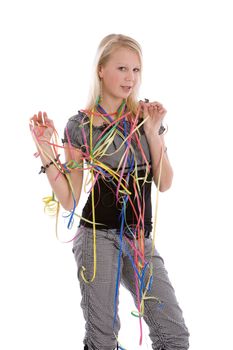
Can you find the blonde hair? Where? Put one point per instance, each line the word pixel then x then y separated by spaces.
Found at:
pixel 106 47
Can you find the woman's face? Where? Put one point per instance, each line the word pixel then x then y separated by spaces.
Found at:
pixel 120 74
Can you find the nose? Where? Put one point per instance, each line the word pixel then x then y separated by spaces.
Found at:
pixel 129 76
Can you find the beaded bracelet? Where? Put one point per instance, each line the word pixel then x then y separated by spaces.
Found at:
pixel 43 168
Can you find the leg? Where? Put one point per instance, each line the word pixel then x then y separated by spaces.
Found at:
pixel 98 296
pixel 165 321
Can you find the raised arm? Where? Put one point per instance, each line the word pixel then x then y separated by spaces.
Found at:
pixel 43 127
pixel 154 113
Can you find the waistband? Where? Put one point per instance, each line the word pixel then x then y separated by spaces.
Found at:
pixel 127 232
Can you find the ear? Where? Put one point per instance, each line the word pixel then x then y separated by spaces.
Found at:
pixel 100 72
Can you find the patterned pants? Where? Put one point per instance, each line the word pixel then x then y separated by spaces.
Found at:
pixel 166 324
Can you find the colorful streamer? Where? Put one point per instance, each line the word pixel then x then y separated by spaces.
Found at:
pixel 128 187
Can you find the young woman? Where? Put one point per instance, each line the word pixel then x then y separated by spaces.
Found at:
pixel 120 141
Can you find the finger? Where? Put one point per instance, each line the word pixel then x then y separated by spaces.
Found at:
pixel 39 115
pixel 48 122
pixel 31 124
pixel 142 103
pixel 161 109
pixel 45 117
pixel 157 105
pixel 34 117
pixel 146 107
pixel 41 119
pixel 37 118
pixel 145 110
pixel 151 107
pixel 164 112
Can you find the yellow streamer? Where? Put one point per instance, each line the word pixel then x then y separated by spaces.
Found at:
pixel 93 210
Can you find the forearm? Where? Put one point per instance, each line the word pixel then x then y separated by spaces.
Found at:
pixel 157 149
pixel 57 180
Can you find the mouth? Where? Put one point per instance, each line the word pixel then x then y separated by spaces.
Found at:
pixel 126 88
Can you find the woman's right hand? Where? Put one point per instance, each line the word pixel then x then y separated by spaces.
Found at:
pixel 42 127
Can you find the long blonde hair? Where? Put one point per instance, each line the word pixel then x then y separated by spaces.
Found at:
pixel 106 47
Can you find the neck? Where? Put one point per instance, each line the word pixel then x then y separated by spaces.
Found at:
pixel 110 106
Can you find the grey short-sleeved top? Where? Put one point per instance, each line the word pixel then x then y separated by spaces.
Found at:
pixel 107 211
pixel 78 127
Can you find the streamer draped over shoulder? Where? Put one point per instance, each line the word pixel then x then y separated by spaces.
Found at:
pixel 118 157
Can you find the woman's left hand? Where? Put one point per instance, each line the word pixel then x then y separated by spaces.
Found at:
pixel 155 113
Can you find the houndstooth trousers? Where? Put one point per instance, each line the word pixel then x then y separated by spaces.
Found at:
pixel 167 329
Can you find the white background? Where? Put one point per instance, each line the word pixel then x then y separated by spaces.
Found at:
pixel 47 50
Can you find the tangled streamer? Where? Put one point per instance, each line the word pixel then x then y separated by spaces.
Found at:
pixel 124 181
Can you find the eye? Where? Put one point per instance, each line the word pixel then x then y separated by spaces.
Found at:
pixel 136 70
pixel 123 69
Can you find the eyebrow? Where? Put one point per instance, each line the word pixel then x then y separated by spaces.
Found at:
pixel 124 64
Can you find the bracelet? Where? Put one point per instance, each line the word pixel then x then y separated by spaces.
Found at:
pixel 43 168
pixel 161 129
